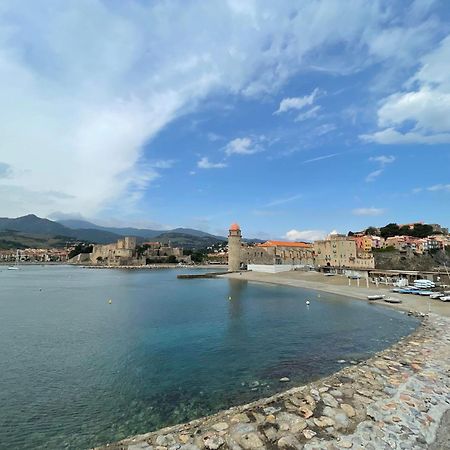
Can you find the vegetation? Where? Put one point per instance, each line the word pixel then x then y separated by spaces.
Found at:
pixel 387 249
pixel 419 230
pixel 372 231
pixel 80 248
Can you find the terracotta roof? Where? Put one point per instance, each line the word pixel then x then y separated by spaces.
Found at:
pixel 234 227
pixel 285 244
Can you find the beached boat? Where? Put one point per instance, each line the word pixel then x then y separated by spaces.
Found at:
pixel 392 300
pixel 445 298
pixel 437 295
pixel 424 293
pixel 376 297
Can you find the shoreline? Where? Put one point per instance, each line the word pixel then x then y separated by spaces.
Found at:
pixel 339 285
pixel 398 398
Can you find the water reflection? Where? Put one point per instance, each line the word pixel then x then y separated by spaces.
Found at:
pixel 236 289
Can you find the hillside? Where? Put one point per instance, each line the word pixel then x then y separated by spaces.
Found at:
pixel 30 228
pixel 188 241
pixel 395 259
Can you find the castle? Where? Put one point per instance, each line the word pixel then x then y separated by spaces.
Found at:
pixel 336 251
pixel 126 252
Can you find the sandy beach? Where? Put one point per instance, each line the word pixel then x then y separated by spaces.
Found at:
pixel 339 284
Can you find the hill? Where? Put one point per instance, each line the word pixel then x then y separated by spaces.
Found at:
pixel 31 227
pixel 34 231
pixel 401 260
pixel 188 241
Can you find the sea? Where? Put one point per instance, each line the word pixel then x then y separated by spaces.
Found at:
pixel 90 356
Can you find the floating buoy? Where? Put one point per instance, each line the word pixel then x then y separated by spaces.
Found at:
pixel 229 298
pixel 109 301
pixel 307 302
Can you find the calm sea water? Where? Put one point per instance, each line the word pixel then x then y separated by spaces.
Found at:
pixel 76 371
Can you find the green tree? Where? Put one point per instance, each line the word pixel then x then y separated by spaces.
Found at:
pixel 372 231
pixel 391 229
pixel 172 259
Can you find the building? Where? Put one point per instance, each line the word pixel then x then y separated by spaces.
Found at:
pixel 234 248
pixel 340 251
pixel 123 252
pixel 280 253
pixel 364 243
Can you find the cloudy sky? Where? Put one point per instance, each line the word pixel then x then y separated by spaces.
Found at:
pixel 292 118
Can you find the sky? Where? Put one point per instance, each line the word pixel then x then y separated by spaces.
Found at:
pixel 291 118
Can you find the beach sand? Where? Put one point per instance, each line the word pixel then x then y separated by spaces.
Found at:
pixel 339 284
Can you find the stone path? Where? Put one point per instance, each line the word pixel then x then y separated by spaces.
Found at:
pixel 395 400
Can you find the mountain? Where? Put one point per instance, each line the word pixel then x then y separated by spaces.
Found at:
pixel 22 231
pixel 124 231
pixel 129 231
pixel 188 241
pixel 48 230
pixel 34 225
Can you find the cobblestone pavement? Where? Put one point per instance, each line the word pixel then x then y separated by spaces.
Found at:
pixel 395 400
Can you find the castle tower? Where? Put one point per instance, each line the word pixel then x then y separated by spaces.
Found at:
pixel 234 248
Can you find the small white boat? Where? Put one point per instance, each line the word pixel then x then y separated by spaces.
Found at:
pixel 392 300
pixel 445 299
pixel 376 297
pixel 436 295
pixel 13 268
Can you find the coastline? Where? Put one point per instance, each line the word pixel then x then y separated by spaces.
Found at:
pixel 339 285
pixel 395 399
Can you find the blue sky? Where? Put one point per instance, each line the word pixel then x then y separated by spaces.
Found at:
pixel 292 118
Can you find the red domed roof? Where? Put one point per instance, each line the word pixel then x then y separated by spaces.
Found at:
pixel 235 227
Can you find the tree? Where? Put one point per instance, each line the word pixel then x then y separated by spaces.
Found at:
pixel 172 259
pixel 391 229
pixel 350 233
pixel 371 231
pixel 421 230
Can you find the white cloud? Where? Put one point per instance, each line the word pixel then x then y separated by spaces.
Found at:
pixel 368 211
pixel 324 129
pixel 282 201
pixel 320 158
pixel 305 235
pixel 205 163
pixel 439 187
pixel 374 175
pixel 421 115
pixel 242 146
pixel 79 109
pixel 392 136
pixel 383 159
pixel 310 114
pixel 297 102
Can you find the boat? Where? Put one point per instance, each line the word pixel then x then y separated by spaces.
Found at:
pixel 376 297
pixel 392 300
pixel 445 298
pixel 425 293
pixel 15 267
pixel 437 295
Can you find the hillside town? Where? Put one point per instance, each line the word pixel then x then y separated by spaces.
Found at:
pixel 356 250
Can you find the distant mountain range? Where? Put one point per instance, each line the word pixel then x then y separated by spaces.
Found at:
pixel 30 230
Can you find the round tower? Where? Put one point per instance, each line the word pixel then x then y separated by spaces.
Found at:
pixel 234 248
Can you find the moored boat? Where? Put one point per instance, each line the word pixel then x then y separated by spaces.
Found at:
pixel 392 300
pixel 376 297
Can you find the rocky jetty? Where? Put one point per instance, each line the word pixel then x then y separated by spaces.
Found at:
pixel 394 400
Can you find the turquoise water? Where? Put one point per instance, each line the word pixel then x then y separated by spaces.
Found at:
pixel 76 371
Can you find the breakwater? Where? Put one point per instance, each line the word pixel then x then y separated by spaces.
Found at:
pixel 396 399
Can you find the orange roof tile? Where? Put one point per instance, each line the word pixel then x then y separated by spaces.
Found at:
pixel 285 244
